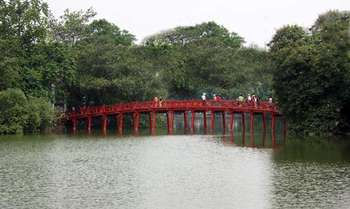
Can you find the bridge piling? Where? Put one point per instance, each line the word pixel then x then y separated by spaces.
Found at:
pixel 153 122
pixel 170 122
pixel 136 122
pixel 104 124
pixel 88 124
pixel 120 121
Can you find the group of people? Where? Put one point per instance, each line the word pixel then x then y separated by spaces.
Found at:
pixel 158 102
pixel 215 97
pixel 251 99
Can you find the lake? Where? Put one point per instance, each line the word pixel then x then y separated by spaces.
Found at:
pixel 175 171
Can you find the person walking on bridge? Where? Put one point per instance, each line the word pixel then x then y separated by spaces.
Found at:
pixel 204 98
pixel 155 101
pixel 241 98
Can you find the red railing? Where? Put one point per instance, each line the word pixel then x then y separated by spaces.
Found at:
pixel 173 105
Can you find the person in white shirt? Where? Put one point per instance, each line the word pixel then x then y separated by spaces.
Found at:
pixel 249 98
pixel 204 96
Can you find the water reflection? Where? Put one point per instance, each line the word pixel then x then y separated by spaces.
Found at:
pixel 312 173
pixel 179 171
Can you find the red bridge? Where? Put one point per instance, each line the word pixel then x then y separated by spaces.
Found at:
pixel 183 106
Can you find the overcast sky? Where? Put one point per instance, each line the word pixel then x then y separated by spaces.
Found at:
pixel 255 20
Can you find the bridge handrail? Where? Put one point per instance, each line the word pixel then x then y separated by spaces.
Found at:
pixel 170 105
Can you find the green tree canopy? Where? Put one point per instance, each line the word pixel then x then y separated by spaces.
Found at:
pixel 311 74
pixel 204 32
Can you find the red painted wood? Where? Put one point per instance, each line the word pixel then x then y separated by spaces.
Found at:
pixel 120 119
pixel 170 122
pixel 153 122
pixel 174 105
pixel 89 124
pixel 136 122
pixel 104 124
pixel 168 105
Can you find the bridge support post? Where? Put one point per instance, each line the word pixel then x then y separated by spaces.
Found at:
pixel 273 126
pixel 185 122
pixel 212 121
pixel 243 128
pixel 232 127
pixel 136 122
pixel 153 122
pixel 88 124
pixel 193 117
pixel 252 143
pixel 223 119
pixel 104 124
pixel 170 122
pixel 120 121
pixel 205 121
pixel 74 125
pixel 264 127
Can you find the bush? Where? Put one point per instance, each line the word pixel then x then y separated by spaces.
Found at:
pixel 20 114
pixel 13 113
pixel 40 114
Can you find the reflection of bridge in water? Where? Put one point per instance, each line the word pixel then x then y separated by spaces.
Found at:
pixel 170 107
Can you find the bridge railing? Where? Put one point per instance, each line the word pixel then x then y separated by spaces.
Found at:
pixel 171 104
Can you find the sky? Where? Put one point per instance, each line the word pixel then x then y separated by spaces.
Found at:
pixel 255 20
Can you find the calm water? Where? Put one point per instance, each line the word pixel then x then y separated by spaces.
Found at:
pixel 160 172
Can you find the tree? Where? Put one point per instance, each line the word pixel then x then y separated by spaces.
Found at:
pixel 111 69
pixel 204 32
pixel 72 26
pixel 12 111
pixel 10 64
pixel 103 31
pixel 25 21
pixel 23 24
pixel 39 115
pixel 208 58
pixel 21 114
pixel 309 71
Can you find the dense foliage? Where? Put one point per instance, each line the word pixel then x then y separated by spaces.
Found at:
pixel 20 113
pixel 77 59
pixel 311 75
